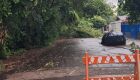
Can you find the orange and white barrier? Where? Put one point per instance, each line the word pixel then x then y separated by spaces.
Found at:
pixel 120 59
pixel 111 59
pixel 113 77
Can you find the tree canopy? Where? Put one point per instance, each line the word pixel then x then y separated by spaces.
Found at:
pixel 36 23
pixel 98 7
pixel 133 8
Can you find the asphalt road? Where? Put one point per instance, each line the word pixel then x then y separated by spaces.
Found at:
pixel 69 53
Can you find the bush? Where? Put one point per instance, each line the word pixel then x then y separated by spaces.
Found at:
pixel 85 30
pixel 88 32
pixel 1 67
pixel 37 23
pixel 3 52
pixel 98 22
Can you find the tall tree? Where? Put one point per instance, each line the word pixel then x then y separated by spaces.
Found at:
pixel 133 8
pixel 98 7
pixel 36 23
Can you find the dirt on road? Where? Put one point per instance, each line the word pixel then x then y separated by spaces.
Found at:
pixel 63 61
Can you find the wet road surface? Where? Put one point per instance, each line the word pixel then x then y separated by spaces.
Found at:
pixel 66 59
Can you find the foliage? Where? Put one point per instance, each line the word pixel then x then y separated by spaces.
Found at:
pixel 98 7
pixel 4 51
pixel 4 9
pixel 133 8
pixel 1 67
pixel 85 29
pixel 120 11
pixel 87 32
pixel 36 23
pixel 133 47
pixel 98 22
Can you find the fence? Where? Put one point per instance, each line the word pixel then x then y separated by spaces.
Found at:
pixel 121 59
pixel 132 31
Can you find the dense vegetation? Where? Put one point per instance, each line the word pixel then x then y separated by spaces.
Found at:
pixel 132 7
pixel 26 24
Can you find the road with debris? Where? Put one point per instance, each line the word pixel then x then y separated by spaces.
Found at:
pixel 63 61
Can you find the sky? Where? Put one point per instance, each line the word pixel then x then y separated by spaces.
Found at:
pixel 114 2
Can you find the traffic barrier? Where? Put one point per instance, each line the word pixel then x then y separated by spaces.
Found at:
pixel 120 59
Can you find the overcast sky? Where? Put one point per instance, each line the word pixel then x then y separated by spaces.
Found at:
pixel 114 2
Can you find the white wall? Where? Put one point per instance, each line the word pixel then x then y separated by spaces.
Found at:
pixel 115 26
